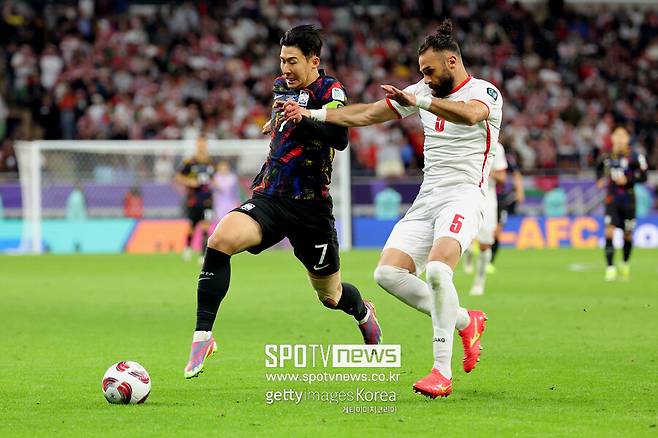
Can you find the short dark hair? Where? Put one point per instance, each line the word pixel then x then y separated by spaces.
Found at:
pixel 306 38
pixel 441 39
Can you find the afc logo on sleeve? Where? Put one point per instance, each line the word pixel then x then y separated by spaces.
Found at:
pixel 493 93
pixel 338 94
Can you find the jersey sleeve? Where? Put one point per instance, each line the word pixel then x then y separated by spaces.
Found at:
pixel 404 111
pixel 335 96
pixel 487 94
pixel 500 162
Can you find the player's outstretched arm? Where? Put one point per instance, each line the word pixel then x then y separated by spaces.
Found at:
pixel 463 113
pixel 358 114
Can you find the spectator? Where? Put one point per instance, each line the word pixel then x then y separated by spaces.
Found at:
pixel 206 68
pixel 133 203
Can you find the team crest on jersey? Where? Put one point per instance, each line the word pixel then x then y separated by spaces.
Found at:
pixel 303 98
pixel 493 93
pixel 338 94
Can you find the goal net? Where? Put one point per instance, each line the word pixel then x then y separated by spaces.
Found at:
pixel 70 188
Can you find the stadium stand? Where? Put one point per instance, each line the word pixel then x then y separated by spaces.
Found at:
pixel 170 70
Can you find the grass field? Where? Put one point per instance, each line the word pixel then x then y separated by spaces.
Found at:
pixel 565 353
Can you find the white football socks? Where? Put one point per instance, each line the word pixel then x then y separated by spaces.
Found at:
pixel 412 291
pixel 484 258
pixel 201 336
pixel 444 314
pixel 467 260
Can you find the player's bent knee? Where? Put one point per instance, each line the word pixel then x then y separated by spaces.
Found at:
pixel 226 242
pixel 388 276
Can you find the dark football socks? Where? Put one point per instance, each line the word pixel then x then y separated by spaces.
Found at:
pixel 628 246
pixel 351 302
pixel 212 287
pixel 609 251
pixel 494 250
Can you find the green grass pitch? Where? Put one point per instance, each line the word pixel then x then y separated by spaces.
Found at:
pixel 565 353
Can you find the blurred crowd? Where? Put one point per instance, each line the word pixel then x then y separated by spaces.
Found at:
pixel 168 70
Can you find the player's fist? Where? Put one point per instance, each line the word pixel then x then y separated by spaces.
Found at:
pixel 267 127
pixel 294 112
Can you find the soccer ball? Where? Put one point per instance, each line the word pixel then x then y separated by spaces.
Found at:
pixel 126 382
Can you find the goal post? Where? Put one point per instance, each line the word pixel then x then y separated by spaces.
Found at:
pixel 103 171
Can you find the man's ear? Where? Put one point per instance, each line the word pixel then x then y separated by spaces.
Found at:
pixel 452 60
pixel 315 61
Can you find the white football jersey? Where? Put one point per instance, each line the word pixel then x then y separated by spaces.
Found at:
pixel 454 153
pixel 499 163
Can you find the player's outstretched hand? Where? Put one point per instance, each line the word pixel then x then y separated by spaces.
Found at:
pixel 294 112
pixel 267 128
pixel 402 97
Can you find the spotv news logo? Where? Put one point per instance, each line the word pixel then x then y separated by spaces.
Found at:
pixel 334 356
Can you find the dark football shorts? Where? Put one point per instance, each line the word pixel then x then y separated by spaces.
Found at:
pixel 620 215
pixel 506 206
pixel 198 214
pixel 309 225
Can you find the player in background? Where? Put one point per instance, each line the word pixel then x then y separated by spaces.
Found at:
pixel 291 199
pixel 619 171
pixel 508 200
pixel 195 174
pixel 486 234
pixel 461 118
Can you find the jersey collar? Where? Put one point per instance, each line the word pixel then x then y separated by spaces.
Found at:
pixel 458 87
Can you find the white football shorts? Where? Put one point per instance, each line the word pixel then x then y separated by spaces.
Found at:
pixel 455 212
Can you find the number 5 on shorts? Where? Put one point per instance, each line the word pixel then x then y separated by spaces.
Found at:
pixel 456 224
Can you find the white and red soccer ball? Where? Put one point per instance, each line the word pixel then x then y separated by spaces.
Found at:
pixel 126 382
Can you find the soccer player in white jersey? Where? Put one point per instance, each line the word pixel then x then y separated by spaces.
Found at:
pixel 461 117
pixel 487 234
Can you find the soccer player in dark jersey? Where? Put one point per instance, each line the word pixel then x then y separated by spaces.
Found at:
pixel 619 171
pixel 291 199
pixel 195 174
pixel 508 200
